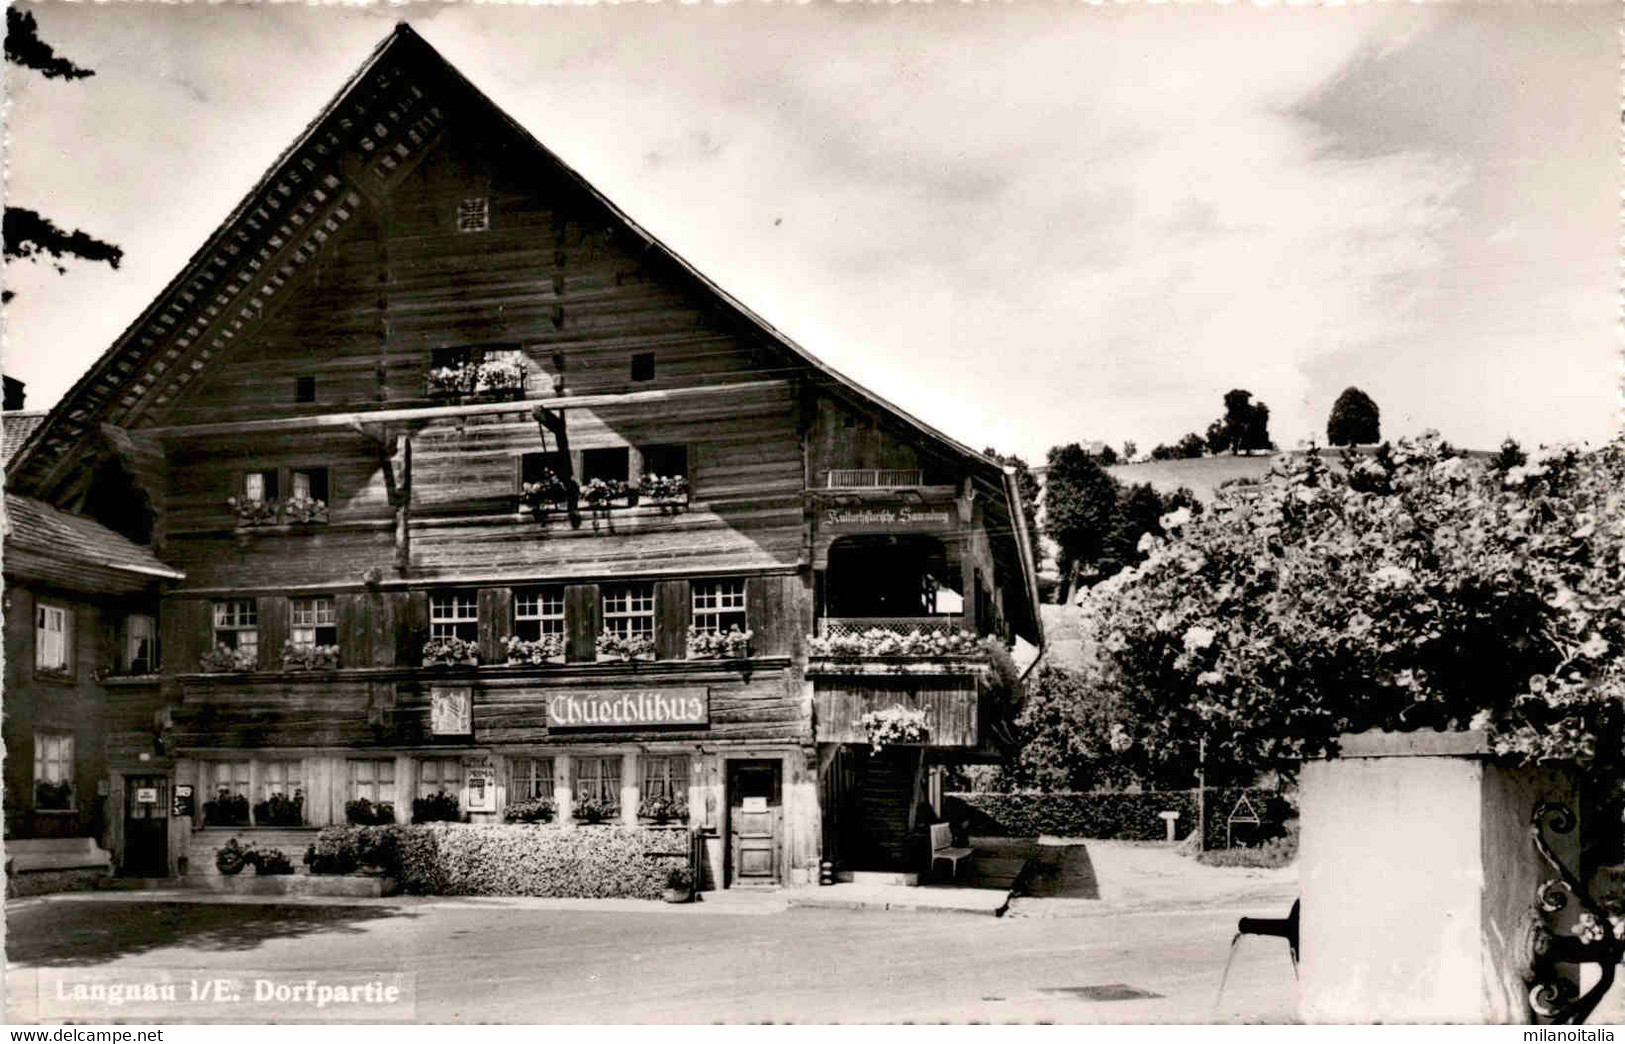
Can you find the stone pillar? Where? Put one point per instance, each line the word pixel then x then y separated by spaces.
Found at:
pixel 630 783
pixel 1417 874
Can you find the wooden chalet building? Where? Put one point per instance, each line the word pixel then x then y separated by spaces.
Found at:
pixel 469 478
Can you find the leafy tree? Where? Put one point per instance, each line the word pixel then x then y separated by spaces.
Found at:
pixel 28 234
pixel 1107 456
pixel 1163 451
pixel 1026 486
pixel 1079 505
pixel 1130 450
pixel 1066 732
pixel 1244 426
pixel 1192 446
pixel 1354 421
pixel 1405 590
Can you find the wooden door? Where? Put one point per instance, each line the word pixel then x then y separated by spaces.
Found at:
pixel 146 826
pixel 755 818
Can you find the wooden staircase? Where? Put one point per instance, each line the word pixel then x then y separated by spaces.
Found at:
pixel 887 787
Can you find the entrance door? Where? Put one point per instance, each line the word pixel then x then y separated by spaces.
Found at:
pixel 755 816
pixel 146 826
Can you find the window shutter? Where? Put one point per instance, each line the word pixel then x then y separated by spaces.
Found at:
pixel 187 628
pixel 762 615
pixel 355 629
pixel 671 619
pixel 411 628
pixel 273 616
pixel 581 613
pixel 496 622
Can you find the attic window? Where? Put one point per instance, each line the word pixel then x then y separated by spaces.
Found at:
pixel 643 366
pixel 474 215
pixel 304 389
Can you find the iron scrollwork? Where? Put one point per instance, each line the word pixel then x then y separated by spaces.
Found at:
pixel 1594 939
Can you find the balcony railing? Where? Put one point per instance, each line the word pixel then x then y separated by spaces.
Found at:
pixel 871 478
pixel 844 626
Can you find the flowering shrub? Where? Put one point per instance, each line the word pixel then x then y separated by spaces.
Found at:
pixel 531 810
pixel 542 650
pixel 439 807
pixel 303 656
pixel 879 642
pixel 611 861
pixel 253 511
pixel 223 658
pixel 663 809
pixel 592 810
pixel 450 651
pixel 598 493
pixel 305 509
pixel 1413 588
pixel 408 854
pixel 893 725
pixel 663 489
pixel 733 644
pixel 627 647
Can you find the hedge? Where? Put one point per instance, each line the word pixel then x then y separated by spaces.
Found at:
pixel 508 859
pixel 1116 816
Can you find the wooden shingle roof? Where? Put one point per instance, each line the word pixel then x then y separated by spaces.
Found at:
pixel 46 543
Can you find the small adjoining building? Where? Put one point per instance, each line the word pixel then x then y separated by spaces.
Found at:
pixel 472 493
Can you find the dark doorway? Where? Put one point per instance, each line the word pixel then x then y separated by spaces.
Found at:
pixel 146 826
pixel 755 822
pixel 892 576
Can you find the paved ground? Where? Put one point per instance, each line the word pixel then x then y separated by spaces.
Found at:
pixel 734 959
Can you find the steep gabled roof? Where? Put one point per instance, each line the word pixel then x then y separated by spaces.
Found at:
pixel 15 427
pixel 368 138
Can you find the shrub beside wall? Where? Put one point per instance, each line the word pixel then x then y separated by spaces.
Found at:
pixel 1115 816
pixel 508 859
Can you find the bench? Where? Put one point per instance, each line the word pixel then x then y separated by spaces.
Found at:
pixel 942 850
pixel 57 853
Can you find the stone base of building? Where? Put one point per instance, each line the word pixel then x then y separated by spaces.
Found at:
pixel 45 882
pixel 344 886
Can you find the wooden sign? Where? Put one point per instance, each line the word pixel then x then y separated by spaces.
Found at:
pixel 451 710
pixel 898 516
pixel 622 707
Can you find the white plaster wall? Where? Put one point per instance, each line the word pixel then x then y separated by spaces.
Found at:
pixel 1391 880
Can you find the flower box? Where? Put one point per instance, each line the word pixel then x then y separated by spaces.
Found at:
pixel 547 493
pixel 530 810
pixel 591 810
pixel 895 725
pixel 253 511
pixel 301 656
pixel 733 644
pixel 663 810
pixel 549 648
pixel 450 652
pixel 612 646
pixel 663 490
pixel 878 642
pixel 600 495
pixel 494 381
pixel 303 510
pixel 53 797
pixel 223 659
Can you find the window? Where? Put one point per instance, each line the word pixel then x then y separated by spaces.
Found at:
pixel 373 779
pixel 53 771
pixel 53 638
pixel 140 644
pixel 237 625
pixel 666 461
pixel 304 389
pixel 260 485
pixel 454 614
pixel 643 366
pixel 313 621
pixel 538 611
pixel 309 484
pixel 474 215
pixel 440 774
pixel 532 778
pixel 719 605
pixel 535 467
pixel 598 779
pixel 611 465
pixel 279 777
pixel 665 776
pixel 225 794
pixel 629 610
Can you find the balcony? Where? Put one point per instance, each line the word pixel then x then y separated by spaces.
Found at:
pixel 845 626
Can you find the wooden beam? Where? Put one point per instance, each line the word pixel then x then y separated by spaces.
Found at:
pixel 524 406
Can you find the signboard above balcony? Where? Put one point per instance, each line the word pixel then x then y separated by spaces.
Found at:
pixel 905 516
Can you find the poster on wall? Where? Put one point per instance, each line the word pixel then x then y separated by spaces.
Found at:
pixel 451 710
pixel 482 789
pixel 183 799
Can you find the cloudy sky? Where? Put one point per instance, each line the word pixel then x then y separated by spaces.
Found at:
pixel 1027 223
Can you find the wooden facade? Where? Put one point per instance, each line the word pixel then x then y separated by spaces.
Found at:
pixel 415 232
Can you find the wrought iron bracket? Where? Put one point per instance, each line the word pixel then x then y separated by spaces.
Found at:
pixel 1594 939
